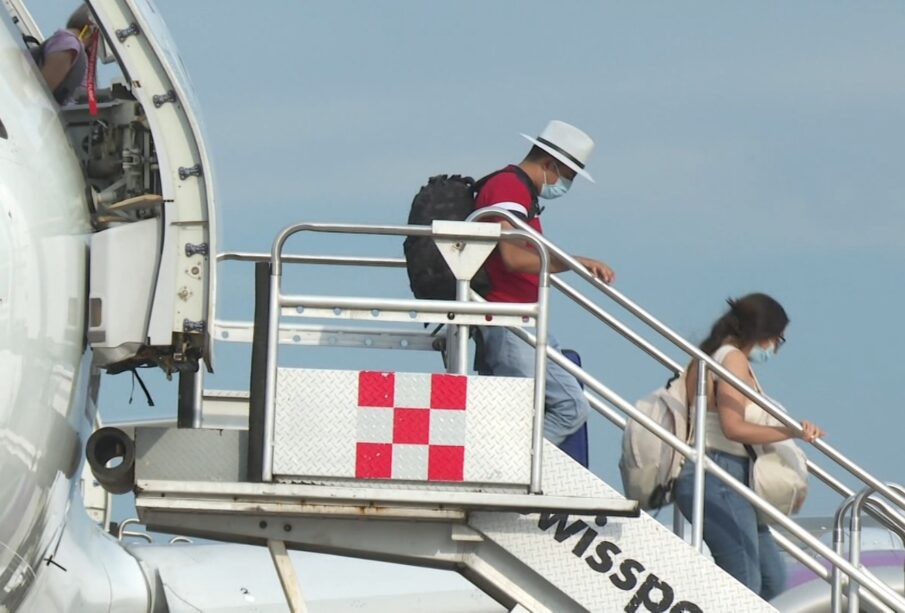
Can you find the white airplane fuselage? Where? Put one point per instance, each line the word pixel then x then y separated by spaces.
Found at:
pixel 44 229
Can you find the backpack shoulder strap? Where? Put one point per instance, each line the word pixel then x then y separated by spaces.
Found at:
pixel 535 208
pixel 35 47
pixel 479 184
pixel 532 211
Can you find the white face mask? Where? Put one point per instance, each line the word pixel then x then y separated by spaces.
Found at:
pixel 759 355
pixel 549 192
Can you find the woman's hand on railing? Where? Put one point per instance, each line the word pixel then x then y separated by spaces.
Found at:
pixel 598 269
pixel 810 432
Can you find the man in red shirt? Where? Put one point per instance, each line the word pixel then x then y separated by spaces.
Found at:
pixel 557 156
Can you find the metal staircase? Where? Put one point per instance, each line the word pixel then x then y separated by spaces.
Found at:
pixel 444 469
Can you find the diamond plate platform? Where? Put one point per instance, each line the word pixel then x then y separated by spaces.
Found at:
pixel 191 455
pixel 441 429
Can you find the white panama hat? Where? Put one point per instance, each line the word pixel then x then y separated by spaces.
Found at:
pixel 567 144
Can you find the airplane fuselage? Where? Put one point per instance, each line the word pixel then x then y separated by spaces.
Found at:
pixel 44 230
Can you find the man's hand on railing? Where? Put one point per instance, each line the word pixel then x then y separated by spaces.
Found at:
pixel 598 269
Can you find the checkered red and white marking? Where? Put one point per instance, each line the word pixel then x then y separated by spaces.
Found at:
pixel 434 428
pixel 407 430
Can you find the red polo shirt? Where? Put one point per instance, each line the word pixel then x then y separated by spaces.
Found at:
pixel 507 189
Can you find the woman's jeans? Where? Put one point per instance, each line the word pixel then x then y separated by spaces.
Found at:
pixel 738 544
pixel 506 355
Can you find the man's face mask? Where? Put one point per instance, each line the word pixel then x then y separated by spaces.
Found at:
pixel 555 190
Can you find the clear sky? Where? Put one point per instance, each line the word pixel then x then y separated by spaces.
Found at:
pixel 740 147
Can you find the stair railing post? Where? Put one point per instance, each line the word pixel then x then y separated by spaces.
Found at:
pixel 678 522
pixel 854 547
pixel 187 407
pixel 198 396
pixel 256 389
pixel 700 413
pixel 274 303
pixel 458 363
pixel 839 548
pixel 540 369
pixel 273 342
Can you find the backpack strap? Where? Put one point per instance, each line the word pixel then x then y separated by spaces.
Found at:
pixel 35 47
pixel 533 211
pixel 536 209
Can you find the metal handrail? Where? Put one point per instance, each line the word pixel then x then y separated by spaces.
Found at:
pixel 880 590
pixel 694 352
pixel 838 562
pixel 332 260
pixel 891 519
pixel 277 301
pixel 816 567
pixel 669 438
pixel 704 361
pixel 579 299
pixel 880 510
pixel 599 313
pixel 856 504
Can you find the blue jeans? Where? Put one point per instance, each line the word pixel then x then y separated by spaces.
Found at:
pixel 738 544
pixel 506 355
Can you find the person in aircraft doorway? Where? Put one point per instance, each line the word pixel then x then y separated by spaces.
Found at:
pixel 547 171
pixel 63 59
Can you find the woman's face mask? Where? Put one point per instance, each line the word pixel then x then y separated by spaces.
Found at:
pixel 759 354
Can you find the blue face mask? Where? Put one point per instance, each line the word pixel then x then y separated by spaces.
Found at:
pixel 548 192
pixel 759 355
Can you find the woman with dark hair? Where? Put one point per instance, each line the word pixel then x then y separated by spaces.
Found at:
pixel 751 331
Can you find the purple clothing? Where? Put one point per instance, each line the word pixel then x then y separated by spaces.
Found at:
pixel 64 40
pixel 799 573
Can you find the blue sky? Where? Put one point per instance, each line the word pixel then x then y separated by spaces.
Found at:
pixel 740 147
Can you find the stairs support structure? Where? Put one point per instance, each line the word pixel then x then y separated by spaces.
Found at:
pixel 577 546
pixel 286 573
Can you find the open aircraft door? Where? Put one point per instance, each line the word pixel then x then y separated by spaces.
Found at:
pixel 151 191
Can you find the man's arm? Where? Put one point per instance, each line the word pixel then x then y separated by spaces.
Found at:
pixel 521 259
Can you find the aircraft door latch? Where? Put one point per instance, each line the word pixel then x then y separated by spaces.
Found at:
pixel 189 326
pixel 190 171
pixel 125 33
pixel 161 99
pixel 193 249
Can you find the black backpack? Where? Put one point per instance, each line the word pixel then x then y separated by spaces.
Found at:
pixel 450 198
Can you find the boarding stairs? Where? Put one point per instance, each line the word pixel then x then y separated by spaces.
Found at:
pixel 444 469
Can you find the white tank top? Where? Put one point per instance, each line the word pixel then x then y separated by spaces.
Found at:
pixel 712 428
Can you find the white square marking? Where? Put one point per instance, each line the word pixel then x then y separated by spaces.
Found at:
pixel 413 390
pixel 410 462
pixel 447 427
pixel 375 425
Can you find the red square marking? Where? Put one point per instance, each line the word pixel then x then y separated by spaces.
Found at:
pixel 445 463
pixel 376 389
pixel 411 426
pixel 373 461
pixel 448 391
